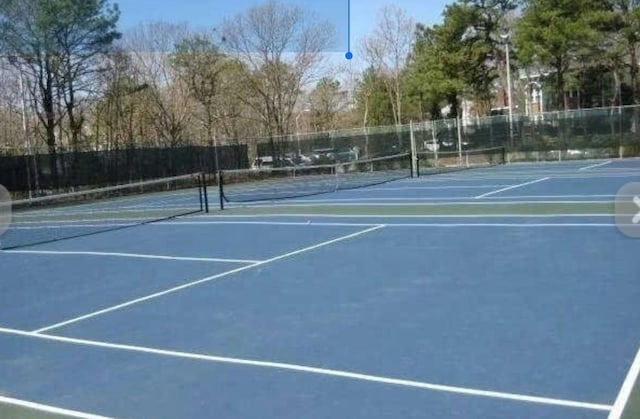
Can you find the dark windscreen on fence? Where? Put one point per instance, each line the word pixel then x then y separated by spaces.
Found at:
pixel 104 168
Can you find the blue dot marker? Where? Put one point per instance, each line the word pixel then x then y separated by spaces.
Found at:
pixel 348 55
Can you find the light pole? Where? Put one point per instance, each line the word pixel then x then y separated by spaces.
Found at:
pixel 505 37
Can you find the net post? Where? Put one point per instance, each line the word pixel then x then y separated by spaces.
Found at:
pixel 221 189
pixel 200 190
pixel 204 192
pixel 412 165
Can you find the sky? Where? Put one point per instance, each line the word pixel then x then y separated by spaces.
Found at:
pixel 209 13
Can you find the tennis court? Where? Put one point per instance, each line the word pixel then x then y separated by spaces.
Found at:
pixel 497 292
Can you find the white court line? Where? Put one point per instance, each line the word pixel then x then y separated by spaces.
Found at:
pixel 128 255
pixel 420 188
pixel 312 223
pixel 520 185
pixel 556 196
pixel 388 216
pixel 317 371
pixel 315 223
pixel 593 166
pixel 48 409
pixel 470 202
pixel 451 199
pixel 59 224
pixel 367 200
pixel 309 223
pixel 205 280
pixel 320 223
pixel 45 213
pixel 527 175
pixel 626 389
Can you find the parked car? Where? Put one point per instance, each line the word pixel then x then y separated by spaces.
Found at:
pixel 268 162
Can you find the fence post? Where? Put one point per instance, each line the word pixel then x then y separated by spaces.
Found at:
pixel 458 120
pixel 621 138
pixel 435 142
pixel 221 189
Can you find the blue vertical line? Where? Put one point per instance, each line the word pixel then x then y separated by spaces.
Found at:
pixel 348 25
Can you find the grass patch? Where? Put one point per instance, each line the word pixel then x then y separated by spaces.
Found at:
pixel 632 410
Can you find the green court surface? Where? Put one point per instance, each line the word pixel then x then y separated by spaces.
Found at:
pixel 445 209
pixel 10 409
pixel 632 410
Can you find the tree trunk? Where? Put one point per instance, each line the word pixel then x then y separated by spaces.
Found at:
pixel 53 158
pixel 75 126
pixel 455 105
pixel 561 98
pixel 561 95
pixel 398 104
pixel 633 72
pixel 50 129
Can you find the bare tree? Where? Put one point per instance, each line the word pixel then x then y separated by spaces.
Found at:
pixel 281 46
pixel 118 110
pixel 169 105
pixel 201 66
pixel 10 130
pixel 388 49
pixel 236 119
pixel 326 101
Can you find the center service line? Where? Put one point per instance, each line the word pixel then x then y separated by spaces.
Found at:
pixel 593 166
pixel 512 187
pixel 205 280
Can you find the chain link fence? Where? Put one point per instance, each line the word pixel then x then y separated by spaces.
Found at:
pixel 577 134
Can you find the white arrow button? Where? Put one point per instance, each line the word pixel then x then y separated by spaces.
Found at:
pixel 636 218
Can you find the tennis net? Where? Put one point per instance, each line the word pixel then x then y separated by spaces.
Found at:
pixel 64 216
pixel 251 185
pixel 430 163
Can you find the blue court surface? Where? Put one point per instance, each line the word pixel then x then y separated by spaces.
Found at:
pixel 342 305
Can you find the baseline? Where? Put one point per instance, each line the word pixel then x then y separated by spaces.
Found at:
pixel 319 371
pixel 314 223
